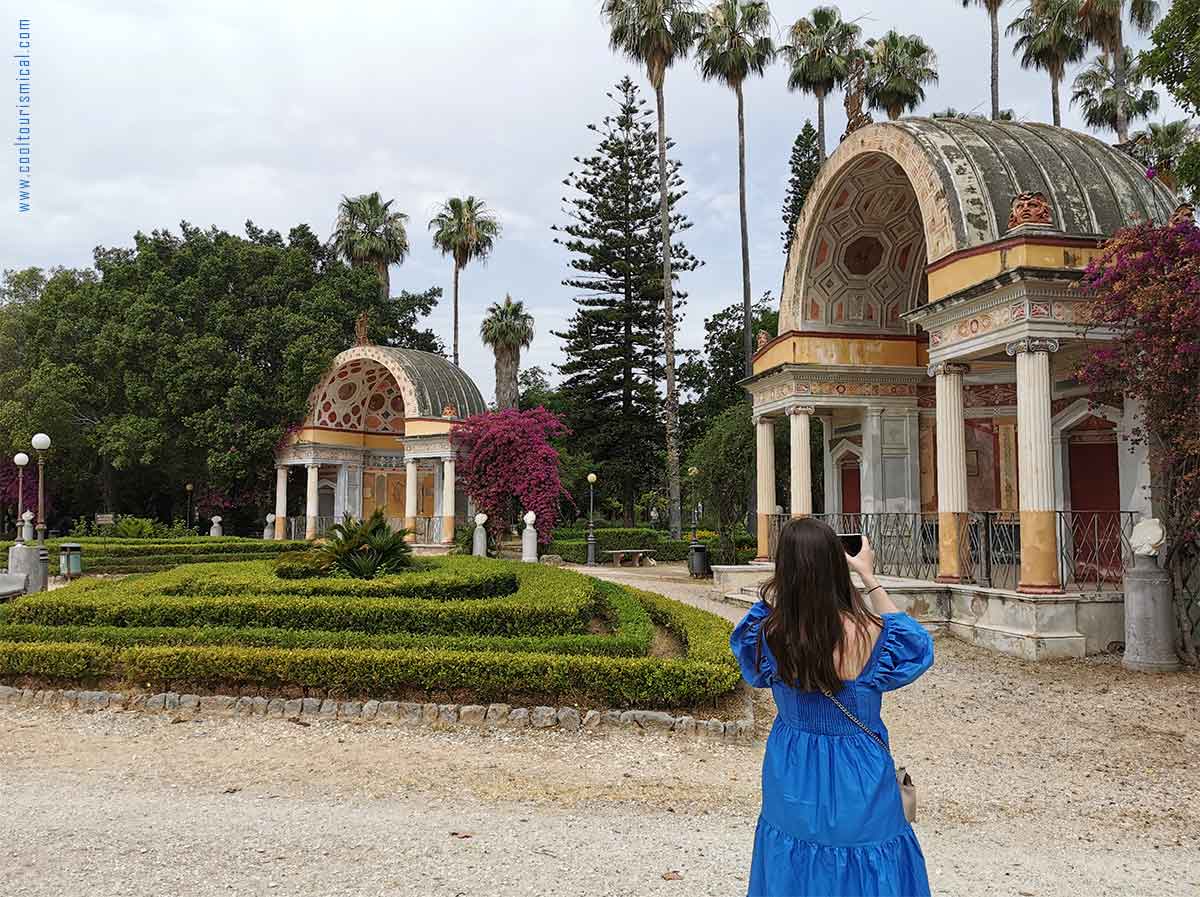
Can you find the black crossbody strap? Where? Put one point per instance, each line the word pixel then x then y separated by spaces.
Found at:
pixel 854 719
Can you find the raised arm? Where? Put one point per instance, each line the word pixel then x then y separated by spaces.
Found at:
pixel 863 564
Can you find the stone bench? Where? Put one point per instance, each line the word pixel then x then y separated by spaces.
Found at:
pixel 635 554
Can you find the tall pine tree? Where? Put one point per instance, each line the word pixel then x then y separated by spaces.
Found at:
pixel 614 340
pixel 805 163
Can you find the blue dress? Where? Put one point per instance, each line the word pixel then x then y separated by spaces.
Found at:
pixel 831 822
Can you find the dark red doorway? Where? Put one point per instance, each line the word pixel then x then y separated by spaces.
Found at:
pixel 851 490
pixel 1095 500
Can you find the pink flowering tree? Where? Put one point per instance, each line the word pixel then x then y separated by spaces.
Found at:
pixel 508 466
pixel 8 491
pixel 1145 291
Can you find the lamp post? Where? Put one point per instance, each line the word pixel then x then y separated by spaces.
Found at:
pixel 697 557
pixel 20 459
pixel 41 444
pixel 591 536
pixel 694 472
pixel 187 521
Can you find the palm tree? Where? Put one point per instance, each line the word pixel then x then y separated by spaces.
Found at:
pixel 898 68
pixel 1049 41
pixel 508 329
pixel 368 232
pixel 657 33
pixel 1103 21
pixel 820 49
pixel 463 229
pixel 734 43
pixel 1095 90
pixel 993 11
pixel 1161 145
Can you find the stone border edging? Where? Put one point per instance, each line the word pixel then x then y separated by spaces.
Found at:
pixel 477 716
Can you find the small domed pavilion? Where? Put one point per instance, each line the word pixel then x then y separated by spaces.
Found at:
pixel 377 435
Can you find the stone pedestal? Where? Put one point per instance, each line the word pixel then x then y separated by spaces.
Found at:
pixel 215 529
pixel 529 540
pixel 27 561
pixel 479 537
pixel 1150 624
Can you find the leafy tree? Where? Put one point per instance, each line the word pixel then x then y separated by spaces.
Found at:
pixel 819 51
pixel 734 42
pixel 724 458
pixel 805 164
pixel 1107 106
pixel 992 7
pixel 508 329
pixel 614 341
pixel 534 390
pixel 898 68
pixel 369 233
pixel 1103 21
pixel 1161 148
pixel 183 359
pixel 464 229
pixel 657 33
pixel 510 466
pixel 1174 58
pixel 1142 289
pixel 1048 40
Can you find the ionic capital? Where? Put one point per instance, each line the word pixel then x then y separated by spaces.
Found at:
pixel 761 419
pixel 1032 344
pixel 947 367
pixel 802 409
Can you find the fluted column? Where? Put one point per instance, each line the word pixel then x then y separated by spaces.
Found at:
pixel 281 475
pixel 801 459
pixel 410 499
pixel 951 470
pixel 764 432
pixel 448 500
pixel 311 503
pixel 1035 467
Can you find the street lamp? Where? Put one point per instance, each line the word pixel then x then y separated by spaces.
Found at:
pixel 591 536
pixel 41 444
pixel 187 521
pixel 697 556
pixel 694 472
pixel 20 459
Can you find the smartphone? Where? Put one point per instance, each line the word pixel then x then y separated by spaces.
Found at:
pixel 851 542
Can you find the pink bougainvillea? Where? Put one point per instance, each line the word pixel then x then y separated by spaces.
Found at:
pixel 8 487
pixel 508 466
pixel 1144 290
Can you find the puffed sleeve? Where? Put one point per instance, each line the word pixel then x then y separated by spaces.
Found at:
pixel 751 651
pixel 906 653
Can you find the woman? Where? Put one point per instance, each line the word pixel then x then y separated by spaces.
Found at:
pixel 832 822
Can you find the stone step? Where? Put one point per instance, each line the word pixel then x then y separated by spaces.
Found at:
pixel 740 598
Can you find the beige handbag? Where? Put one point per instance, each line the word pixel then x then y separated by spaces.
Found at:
pixel 908 791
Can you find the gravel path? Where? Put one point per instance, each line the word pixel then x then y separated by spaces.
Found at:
pixel 1060 780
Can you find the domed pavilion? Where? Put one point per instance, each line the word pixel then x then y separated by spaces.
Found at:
pixel 930 321
pixel 377 436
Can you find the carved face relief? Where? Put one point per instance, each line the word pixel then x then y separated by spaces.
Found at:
pixel 1030 208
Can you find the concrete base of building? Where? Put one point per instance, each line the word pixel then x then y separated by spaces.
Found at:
pixel 1032 627
pixel 431 549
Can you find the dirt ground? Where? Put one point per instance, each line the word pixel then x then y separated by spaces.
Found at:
pixel 1058 780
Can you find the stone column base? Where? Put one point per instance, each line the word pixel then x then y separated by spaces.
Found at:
pixel 280 528
pixel 410 524
pixel 1039 554
pixel 950 566
pixel 310 528
pixel 447 530
pixel 764 537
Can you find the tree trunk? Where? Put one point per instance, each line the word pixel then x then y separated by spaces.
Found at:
pixel 1055 103
pixel 456 270
pixel 747 334
pixel 385 279
pixel 672 404
pixel 894 112
pixel 1119 86
pixel 507 362
pixel 629 499
pixel 820 121
pixel 994 15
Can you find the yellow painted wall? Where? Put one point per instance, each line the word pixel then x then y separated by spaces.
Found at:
pixel 343 437
pixel 972 269
pixel 796 348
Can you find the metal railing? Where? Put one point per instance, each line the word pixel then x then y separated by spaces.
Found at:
pixel 297 527
pixel 1093 546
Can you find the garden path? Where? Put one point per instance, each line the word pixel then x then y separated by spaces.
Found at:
pixel 1056 780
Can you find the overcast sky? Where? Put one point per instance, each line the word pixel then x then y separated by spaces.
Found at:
pixel 149 113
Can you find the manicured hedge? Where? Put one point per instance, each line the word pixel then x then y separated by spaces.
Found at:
pixel 575 551
pixel 105 554
pixel 535 640
pixel 547 602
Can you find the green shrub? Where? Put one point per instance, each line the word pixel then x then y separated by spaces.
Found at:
pixel 365 549
pixel 300 565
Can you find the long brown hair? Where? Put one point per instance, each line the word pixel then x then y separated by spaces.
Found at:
pixel 811 599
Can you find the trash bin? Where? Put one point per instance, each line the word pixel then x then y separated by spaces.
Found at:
pixel 70 559
pixel 698 559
